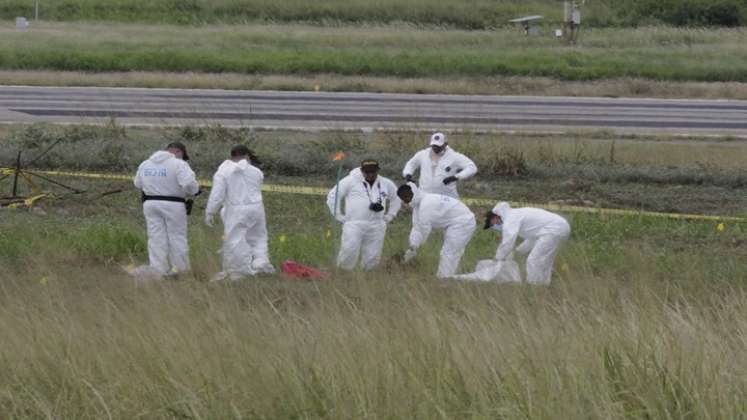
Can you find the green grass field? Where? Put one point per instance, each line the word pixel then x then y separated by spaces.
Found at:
pixel 663 54
pixel 645 318
pixel 599 169
pixel 496 85
pixel 469 14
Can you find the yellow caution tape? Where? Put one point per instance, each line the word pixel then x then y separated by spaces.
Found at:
pixel 29 202
pixel 295 189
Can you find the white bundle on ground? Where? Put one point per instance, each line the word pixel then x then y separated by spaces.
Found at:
pixel 491 270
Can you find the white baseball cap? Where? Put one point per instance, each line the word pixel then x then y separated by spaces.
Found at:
pixel 438 139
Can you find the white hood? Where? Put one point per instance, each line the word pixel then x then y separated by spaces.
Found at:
pixel 229 167
pixel 161 156
pixel 235 184
pixel 417 195
pixel 502 209
pixel 165 174
pixel 528 223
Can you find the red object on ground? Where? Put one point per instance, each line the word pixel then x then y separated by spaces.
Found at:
pixel 295 270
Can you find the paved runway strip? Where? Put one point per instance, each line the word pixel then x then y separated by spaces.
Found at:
pixel 368 111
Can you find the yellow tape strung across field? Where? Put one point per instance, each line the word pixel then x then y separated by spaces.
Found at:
pixel 293 189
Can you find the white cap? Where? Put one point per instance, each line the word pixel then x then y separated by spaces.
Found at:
pixel 438 139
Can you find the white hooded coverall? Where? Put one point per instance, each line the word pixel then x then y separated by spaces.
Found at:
pixel 437 211
pixel 237 187
pixel 363 230
pixel 165 175
pixel 543 233
pixel 434 169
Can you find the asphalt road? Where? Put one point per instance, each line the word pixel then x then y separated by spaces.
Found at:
pixel 367 111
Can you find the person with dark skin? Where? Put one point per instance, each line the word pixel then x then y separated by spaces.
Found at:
pixel 370 202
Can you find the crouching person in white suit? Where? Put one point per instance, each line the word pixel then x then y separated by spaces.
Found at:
pixel 237 187
pixel 370 203
pixel 543 233
pixel 440 212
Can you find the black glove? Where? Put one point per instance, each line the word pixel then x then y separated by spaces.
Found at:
pixel 408 178
pixel 377 207
pixel 450 179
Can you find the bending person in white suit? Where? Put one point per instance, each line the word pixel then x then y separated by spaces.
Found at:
pixel 543 233
pixel 440 212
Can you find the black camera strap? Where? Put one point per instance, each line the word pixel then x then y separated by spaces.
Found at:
pixel 368 192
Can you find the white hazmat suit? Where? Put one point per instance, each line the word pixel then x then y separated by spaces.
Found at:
pixel 363 230
pixel 435 168
pixel 543 233
pixel 163 177
pixel 440 212
pixel 237 187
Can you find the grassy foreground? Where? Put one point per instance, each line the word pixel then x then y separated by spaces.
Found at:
pixel 645 318
pixel 655 53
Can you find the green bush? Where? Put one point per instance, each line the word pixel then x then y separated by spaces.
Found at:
pixel 729 13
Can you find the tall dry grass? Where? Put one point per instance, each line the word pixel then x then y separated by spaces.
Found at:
pixel 646 318
pixel 86 343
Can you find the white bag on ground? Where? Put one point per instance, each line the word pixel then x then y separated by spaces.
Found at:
pixel 490 270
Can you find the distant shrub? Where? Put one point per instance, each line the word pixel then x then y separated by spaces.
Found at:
pixel 505 161
pixel 685 12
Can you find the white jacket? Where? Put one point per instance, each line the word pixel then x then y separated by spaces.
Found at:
pixel 436 211
pixel 358 196
pixel 235 184
pixel 432 173
pixel 528 223
pixel 163 174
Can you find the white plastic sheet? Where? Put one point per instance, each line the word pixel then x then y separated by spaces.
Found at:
pixel 494 271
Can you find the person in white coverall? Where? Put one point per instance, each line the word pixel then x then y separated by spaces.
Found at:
pixel 543 233
pixel 437 211
pixel 440 167
pixel 370 203
pixel 237 188
pixel 165 179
